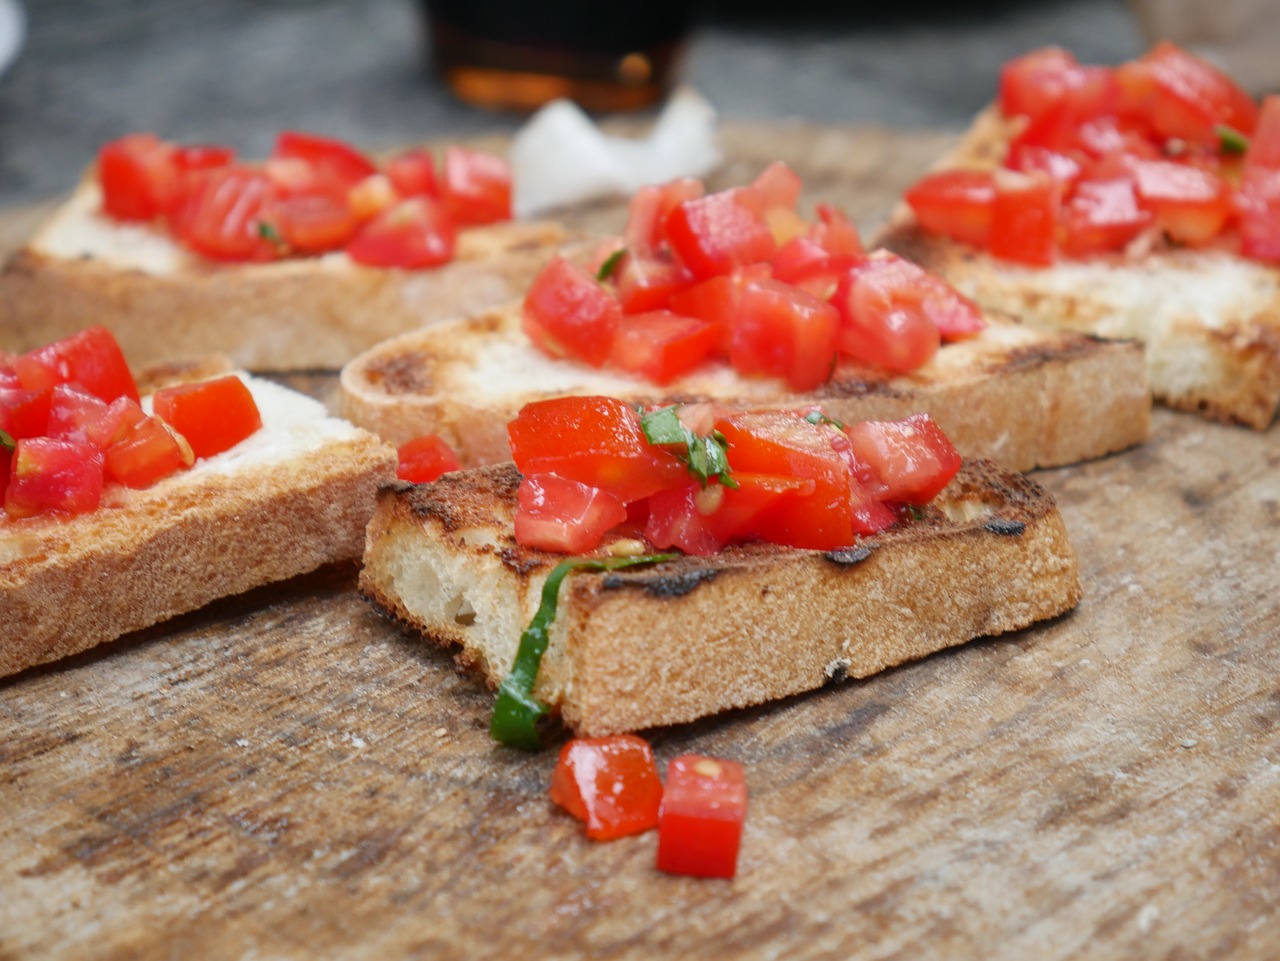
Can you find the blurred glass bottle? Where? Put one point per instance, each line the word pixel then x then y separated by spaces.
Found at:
pixel 519 54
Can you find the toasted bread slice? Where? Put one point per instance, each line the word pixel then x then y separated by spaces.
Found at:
pixel 1209 318
pixel 1015 395
pixel 294 496
pixel 687 638
pixel 164 304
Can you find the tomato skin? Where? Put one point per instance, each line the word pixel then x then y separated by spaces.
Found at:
pixel 1185 97
pixel 661 346
pixel 1103 215
pixel 719 232
pixel 413 173
pixel 1190 204
pixel 1024 219
pixel 48 474
pixel 91 358
pixel 425 458
pixel 700 521
pixel 1258 199
pixel 647 283
pixel 909 461
pixel 567 311
pixel 25 413
pixel 649 208
pixel 136 173
pixel 147 452
pixel 222 212
pixel 611 783
pixel 413 233
pixel 1034 82
pixel 72 412
pixel 885 313
pixel 335 160
pixel 476 188
pixel 594 440
pixel 700 825
pixel 555 513
pixel 6 466
pixel 778 186
pixel 213 415
pixel 955 203
pixel 313 223
pixel 782 331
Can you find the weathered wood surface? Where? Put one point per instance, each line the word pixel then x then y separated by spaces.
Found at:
pixel 286 775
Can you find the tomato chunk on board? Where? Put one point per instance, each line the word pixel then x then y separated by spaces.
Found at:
pixel 1024 219
pixel 955 203
pixel 213 415
pixel 661 345
pixel 610 783
pixel 782 331
pixel 704 808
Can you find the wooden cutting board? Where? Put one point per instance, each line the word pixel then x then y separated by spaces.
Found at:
pixel 286 775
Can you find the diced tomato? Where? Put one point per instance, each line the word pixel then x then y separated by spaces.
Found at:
pixel 1107 136
pixel 202 156
pixel 835 232
pixel 213 415
pixel 594 440
pixel 647 282
pixel 648 210
pixel 1024 218
pixel 371 197
pixel 91 358
pixel 1185 97
pixel 1258 199
pixel 1264 146
pixel 1102 215
pixel 778 186
pixel 48 474
pixel 566 516
pixel 147 452
pixel 222 214
pixel 910 460
pixel 8 376
pixel 715 300
pixel 714 234
pixel 425 458
pixel 336 160
pixel 815 260
pixel 1032 83
pixel 1062 168
pixel 73 411
pixel 700 521
pixel 955 203
pixel 611 783
pixel 414 233
pixel 661 346
pixel 782 443
pixel 413 173
pixel 476 188
pixel 314 223
pixel 782 331
pixel 136 173
pixel 24 413
pixel 704 807
pixel 1191 204
pixel 568 312
pixel 114 422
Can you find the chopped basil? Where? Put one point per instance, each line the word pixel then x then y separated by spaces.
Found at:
pixel 610 264
pixel 915 513
pixel 706 457
pixel 7 441
pixel 1231 140
pixel 818 417
pixel 269 233
pixel 517 711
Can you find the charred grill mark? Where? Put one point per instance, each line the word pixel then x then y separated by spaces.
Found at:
pixel 662 585
pixel 407 373
pixel 849 556
pixel 1004 527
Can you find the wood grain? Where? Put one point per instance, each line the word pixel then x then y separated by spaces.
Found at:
pixel 286 775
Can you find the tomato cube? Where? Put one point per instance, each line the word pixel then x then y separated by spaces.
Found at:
pixel 91 358
pixel 717 233
pixel 48 474
pixel 137 174
pixel 700 521
pixel 1102 215
pixel 425 458
pixel 335 160
pixel 661 346
pixel 476 188
pixel 647 283
pixel 411 234
pixel 557 514
pixel 147 452
pixel 704 807
pixel 955 203
pixel 25 413
pixel 1024 218
pixel 413 173
pixel 1182 96
pixel 213 415
pixel 611 783
pixel 883 320
pixel 909 461
pixel 648 210
pixel 568 312
pixel 223 214
pixel 73 411
pixel 1191 204
pixel 782 331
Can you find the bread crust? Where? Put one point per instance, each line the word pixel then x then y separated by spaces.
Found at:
pixel 1209 319
pixel 1020 397
pixel 694 636
pixel 312 313
pixel 70 583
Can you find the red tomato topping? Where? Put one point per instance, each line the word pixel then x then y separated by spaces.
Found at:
pixel 1258 201
pixel 661 345
pixel 568 312
pixel 648 211
pixel 313 223
pixel 700 521
pixel 477 187
pixel 1102 215
pixel 562 515
pixel 91 358
pixel 145 451
pixel 594 440
pixel 137 174
pixel 1190 204
pixel 425 458
pixel 714 234
pixel 781 331
pixel 778 186
pixel 213 415
pixel 24 413
pixel 1024 218
pixel 73 412
pixel 48 474
pixel 703 810
pixel 908 461
pixel 335 160
pixel 1184 97
pixel 956 203
pixel 648 282
pixel 223 214
pixel 414 233
pixel 413 174
pixel 611 783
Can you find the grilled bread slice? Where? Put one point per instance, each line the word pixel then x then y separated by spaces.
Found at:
pixel 1022 397
pixel 164 304
pixel 295 495
pixel 1209 318
pixel 690 637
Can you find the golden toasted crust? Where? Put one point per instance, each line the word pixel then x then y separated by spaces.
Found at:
pixel 1209 319
pixel 313 313
pixel 687 638
pixel 67 584
pixel 1021 397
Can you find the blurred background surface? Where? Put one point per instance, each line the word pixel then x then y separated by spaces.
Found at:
pixel 237 71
